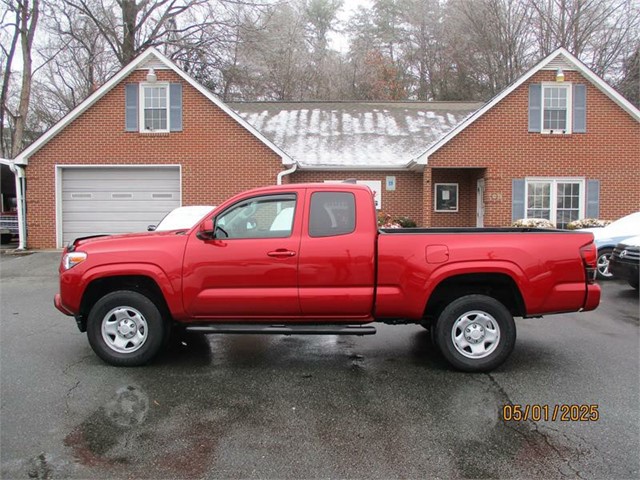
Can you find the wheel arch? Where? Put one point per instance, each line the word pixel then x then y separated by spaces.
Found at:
pixel 499 286
pixel 99 287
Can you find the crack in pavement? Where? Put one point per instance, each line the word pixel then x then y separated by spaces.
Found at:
pixel 535 428
pixel 68 367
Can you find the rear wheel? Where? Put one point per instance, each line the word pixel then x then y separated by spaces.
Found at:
pixel 125 328
pixel 475 333
pixel 604 255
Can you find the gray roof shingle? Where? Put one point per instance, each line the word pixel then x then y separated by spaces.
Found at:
pixel 354 134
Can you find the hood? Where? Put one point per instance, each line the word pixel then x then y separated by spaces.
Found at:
pixel 631 242
pixel 104 239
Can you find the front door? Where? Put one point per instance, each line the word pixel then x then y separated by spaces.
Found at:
pixel 250 270
pixel 480 203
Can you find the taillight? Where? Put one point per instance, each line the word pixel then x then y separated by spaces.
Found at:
pixel 589 255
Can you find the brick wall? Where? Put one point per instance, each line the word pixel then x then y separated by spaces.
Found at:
pixel 219 158
pixel 405 200
pixel 500 142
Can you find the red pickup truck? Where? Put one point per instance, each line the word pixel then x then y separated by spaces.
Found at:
pixel 310 259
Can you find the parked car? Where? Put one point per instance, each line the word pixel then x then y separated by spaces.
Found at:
pixel 625 260
pixel 181 217
pixel 310 259
pixel 8 227
pixel 606 238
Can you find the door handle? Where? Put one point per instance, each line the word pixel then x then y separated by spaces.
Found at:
pixel 281 253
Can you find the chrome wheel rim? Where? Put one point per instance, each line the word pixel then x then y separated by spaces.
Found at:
pixel 603 265
pixel 124 329
pixel 475 334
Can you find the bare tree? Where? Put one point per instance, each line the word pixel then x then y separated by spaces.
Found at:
pixel 629 85
pixel 131 26
pixel 499 39
pixel 24 26
pixel 598 32
pixel 80 61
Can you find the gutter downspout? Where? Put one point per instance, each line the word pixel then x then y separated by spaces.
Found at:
pixel 284 173
pixel 18 172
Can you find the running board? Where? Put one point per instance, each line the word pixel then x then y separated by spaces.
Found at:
pixel 265 328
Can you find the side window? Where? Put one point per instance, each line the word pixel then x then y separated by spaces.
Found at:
pixel 332 213
pixel 259 217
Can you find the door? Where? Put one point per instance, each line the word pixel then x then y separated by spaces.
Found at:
pixel 337 257
pixel 480 203
pixel 111 200
pixel 250 270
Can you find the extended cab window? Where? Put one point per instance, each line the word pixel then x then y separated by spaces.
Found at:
pixel 259 217
pixel 332 213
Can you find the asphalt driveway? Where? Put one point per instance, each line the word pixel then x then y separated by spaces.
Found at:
pixel 253 406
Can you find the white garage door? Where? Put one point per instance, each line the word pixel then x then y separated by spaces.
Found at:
pixel 111 200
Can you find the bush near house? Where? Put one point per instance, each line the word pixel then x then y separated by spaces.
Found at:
pixel 533 223
pixel 587 223
pixel 386 221
pixel 406 222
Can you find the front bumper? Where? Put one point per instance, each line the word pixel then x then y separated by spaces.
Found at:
pixel 57 302
pixel 624 270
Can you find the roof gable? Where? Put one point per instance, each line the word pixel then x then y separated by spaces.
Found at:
pixel 559 58
pixel 149 58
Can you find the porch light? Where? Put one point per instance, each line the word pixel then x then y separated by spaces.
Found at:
pixel 559 75
pixel 151 76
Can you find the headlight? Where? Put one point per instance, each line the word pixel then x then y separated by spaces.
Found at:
pixel 72 259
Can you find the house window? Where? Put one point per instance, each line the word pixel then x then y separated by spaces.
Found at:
pixel 154 100
pixel 556 105
pixel 559 200
pixel 446 197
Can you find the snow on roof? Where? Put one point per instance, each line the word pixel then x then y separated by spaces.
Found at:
pixel 354 134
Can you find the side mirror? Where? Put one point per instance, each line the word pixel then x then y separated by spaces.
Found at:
pixel 205 230
pixel 151 228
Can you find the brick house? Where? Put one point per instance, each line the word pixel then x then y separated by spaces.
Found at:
pixel 559 143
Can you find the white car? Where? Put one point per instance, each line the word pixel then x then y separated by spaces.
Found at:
pixel 181 218
pixel 606 238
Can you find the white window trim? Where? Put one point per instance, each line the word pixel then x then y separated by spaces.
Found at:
pixel 435 197
pixel 141 106
pixel 569 88
pixel 554 195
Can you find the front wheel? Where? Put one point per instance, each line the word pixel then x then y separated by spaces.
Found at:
pixel 475 333
pixel 604 255
pixel 125 328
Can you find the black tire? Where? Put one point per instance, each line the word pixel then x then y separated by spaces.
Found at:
pixel 482 317
pixel 602 264
pixel 143 328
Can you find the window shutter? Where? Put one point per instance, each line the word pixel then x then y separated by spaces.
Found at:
pixel 593 199
pixel 517 199
pixel 131 107
pixel 175 103
pixel 579 109
pixel 535 107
